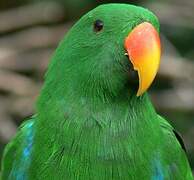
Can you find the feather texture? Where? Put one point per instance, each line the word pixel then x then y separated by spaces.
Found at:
pixel 89 122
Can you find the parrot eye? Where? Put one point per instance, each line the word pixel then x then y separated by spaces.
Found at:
pixel 98 25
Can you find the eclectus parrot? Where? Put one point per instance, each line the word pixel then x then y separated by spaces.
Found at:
pixel 94 119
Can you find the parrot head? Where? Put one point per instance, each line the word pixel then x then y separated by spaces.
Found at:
pixel 111 48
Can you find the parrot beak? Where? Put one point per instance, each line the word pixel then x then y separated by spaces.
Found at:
pixel 144 51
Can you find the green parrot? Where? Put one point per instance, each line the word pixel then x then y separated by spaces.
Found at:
pixel 94 119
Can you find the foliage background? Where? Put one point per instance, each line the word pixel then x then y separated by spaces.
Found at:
pixel 31 29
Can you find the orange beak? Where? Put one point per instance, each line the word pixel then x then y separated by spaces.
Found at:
pixel 144 51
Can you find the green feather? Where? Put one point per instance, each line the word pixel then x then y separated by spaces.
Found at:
pixel 89 123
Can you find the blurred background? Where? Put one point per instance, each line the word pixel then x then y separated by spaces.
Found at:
pixel 31 29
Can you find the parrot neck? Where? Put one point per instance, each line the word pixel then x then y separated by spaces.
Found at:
pixel 79 109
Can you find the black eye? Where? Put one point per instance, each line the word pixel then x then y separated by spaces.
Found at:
pixel 98 25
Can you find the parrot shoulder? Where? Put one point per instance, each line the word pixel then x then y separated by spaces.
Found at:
pixel 174 145
pixel 17 148
pixel 171 132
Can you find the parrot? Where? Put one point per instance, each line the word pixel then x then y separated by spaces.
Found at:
pixel 94 118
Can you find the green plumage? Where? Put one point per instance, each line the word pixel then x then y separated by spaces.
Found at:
pixel 89 124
